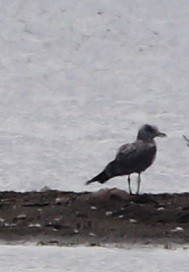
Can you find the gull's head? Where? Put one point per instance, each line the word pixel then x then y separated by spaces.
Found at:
pixel 149 132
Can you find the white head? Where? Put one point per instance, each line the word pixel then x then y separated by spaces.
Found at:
pixel 149 132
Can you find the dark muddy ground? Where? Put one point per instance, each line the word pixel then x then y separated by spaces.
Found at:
pixel 106 216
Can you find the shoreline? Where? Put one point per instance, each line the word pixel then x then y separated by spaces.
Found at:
pixel 107 216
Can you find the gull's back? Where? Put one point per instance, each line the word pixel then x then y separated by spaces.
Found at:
pixel 135 157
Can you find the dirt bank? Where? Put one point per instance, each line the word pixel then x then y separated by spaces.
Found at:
pixel 106 216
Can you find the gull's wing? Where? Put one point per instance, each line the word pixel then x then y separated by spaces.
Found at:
pixel 135 157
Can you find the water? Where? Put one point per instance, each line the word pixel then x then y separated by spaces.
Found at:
pixel 77 81
pixel 25 258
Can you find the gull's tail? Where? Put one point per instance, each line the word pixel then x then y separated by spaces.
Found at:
pixel 101 178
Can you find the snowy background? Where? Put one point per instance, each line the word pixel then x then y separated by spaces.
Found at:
pixel 78 78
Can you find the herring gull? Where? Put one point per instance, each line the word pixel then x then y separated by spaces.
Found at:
pixel 133 157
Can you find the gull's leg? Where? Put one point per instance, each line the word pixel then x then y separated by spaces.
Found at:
pixel 129 183
pixel 138 186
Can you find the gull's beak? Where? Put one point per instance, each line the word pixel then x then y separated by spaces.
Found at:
pixel 161 134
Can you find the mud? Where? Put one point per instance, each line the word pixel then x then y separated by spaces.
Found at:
pixel 106 216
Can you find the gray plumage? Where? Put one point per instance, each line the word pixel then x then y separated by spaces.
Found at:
pixel 131 158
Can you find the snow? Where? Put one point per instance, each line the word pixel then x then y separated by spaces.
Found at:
pixel 76 259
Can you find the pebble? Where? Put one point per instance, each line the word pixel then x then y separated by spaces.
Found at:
pixel 21 216
pixel 108 213
pixel 177 229
pixel 58 200
pixel 161 209
pixel 57 219
pixel 92 234
pixel 132 220
pixel 34 225
pixel 9 225
pixel 12 225
pixel 93 208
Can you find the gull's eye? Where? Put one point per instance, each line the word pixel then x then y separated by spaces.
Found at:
pixel 150 129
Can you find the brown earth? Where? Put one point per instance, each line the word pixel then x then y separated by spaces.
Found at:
pixel 106 216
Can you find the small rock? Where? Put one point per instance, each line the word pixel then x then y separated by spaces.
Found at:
pixel 21 216
pixel 92 234
pixel 92 244
pixel 55 225
pixel 161 209
pixel 9 225
pixel 185 247
pixel 57 219
pixel 58 201
pixel 108 213
pixel 34 225
pixel 177 229
pixel 41 243
pixel 132 220
pixel 12 225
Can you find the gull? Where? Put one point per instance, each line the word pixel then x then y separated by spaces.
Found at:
pixel 133 157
